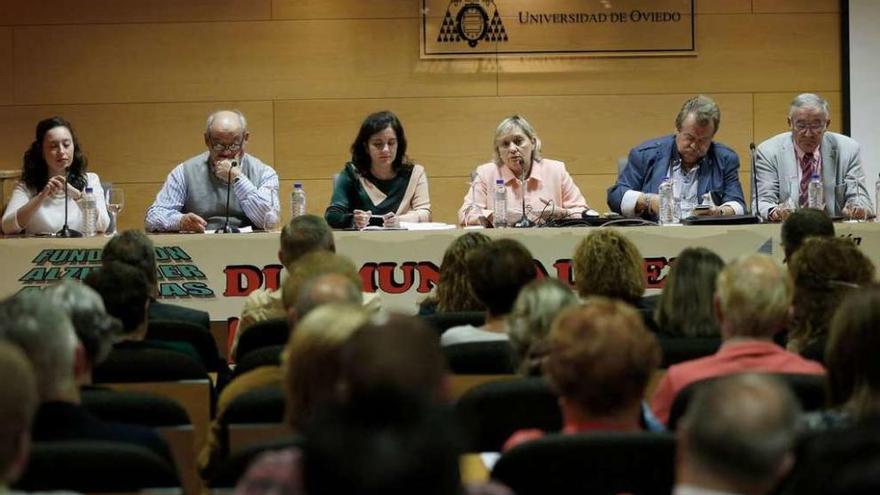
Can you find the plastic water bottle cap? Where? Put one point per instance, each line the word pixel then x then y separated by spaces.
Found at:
pixel 499 182
pixel 815 175
pixel 297 185
pixel 89 190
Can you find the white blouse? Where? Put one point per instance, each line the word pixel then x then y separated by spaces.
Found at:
pixel 49 217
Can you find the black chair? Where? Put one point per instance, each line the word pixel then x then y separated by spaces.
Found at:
pixel 265 356
pixel 134 407
pixel 480 358
pixel 680 349
pixel 810 390
pixel 95 467
pixel 262 334
pixel 233 468
pixel 491 412
pixel 444 321
pixel 181 331
pixel 148 365
pixel 262 405
pixel 590 463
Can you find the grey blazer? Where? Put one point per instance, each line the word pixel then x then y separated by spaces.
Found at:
pixel 776 163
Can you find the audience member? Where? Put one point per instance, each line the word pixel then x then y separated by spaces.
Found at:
pixel 135 248
pixel 685 306
pixel 496 271
pixel 824 270
pixel 751 303
pixel 537 305
pixel 600 359
pixel 737 437
pixel 46 336
pixel 801 224
pixel 454 289
pixel 18 403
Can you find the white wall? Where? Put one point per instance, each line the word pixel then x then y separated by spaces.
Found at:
pixel 864 73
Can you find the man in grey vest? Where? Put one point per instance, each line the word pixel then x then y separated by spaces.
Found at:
pixel 193 198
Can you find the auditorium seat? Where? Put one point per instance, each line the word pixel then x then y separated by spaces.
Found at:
pixel 182 331
pixel 252 417
pixel 480 358
pixel 444 321
pixel 680 349
pixel 265 356
pixel 236 465
pixel 262 334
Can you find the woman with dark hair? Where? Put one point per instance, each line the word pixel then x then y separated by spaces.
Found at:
pixel 454 288
pixel 685 306
pixel 380 185
pixel 37 202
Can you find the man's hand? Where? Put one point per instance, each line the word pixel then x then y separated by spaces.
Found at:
pixel 190 222
pixel 222 170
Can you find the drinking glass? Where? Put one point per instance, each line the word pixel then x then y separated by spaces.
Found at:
pixel 272 218
pixel 789 191
pixel 115 199
pixel 856 212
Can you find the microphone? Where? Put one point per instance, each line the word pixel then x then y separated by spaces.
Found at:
pixel 753 204
pixel 66 231
pixel 523 222
pixel 226 229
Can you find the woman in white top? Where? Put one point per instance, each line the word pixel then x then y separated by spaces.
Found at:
pixel 37 202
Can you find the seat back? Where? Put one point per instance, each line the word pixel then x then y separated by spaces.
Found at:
pixel 444 321
pixel 183 331
pixel 490 413
pixel 264 356
pixel 262 334
pixel 91 467
pixel 679 349
pixel 134 407
pixel 810 391
pixel 590 463
pixel 480 358
pixel 148 365
pixel 232 469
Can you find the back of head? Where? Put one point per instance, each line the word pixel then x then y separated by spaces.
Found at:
pixel 125 292
pixel 753 295
pixel 497 271
pixel 851 354
pixel 824 269
pixel 312 265
pixel 537 305
pixel 312 359
pixel 454 289
pixel 601 356
pixel 685 306
pixel 740 429
pixel 304 234
pixel 45 335
pixel 607 263
pixel 95 328
pixel 399 353
pixel 803 223
pixel 133 248
pixel 324 289
pixel 18 402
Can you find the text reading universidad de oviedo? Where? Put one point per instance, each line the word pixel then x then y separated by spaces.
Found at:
pixel 526 17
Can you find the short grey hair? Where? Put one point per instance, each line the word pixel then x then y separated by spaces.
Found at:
pixel 45 335
pixel 95 329
pixel 516 122
pixel 741 427
pixel 320 290
pixel 536 306
pixel 809 100
pixel 241 120
pixel 754 293
pixel 704 109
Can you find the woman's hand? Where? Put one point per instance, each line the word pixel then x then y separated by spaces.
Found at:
pixel 391 221
pixel 53 187
pixel 361 219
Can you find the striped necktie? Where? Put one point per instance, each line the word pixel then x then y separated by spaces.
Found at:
pixel 807 165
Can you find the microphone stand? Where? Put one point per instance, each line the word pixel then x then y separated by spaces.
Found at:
pixel 226 229
pixel 754 182
pixel 65 230
pixel 524 222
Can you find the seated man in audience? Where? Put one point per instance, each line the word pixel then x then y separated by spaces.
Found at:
pixel 690 158
pixel 18 403
pixel 193 198
pixel 47 338
pixel 134 248
pixel 737 437
pixel 803 223
pixel 496 271
pixel 752 301
pixel 785 163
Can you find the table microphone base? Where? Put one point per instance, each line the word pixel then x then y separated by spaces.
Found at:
pixel 68 232
pixel 524 223
pixel 226 229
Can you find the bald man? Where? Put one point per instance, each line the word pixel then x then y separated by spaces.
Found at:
pixel 193 198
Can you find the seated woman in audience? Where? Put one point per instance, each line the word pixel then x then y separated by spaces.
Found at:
pixel 454 289
pixel 380 185
pixel 37 202
pixel 537 305
pixel 824 270
pixel 685 306
pixel 600 360
pixel 550 192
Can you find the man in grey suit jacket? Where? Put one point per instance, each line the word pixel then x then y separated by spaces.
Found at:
pixel 783 161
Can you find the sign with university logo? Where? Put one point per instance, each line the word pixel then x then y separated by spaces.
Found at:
pixel 483 28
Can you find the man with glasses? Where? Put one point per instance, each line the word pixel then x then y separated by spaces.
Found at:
pixel 697 165
pixel 193 198
pixel 786 162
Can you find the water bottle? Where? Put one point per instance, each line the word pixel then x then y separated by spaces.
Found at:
pixel 877 200
pixel 815 193
pixel 667 203
pixel 500 207
pixel 90 213
pixel 297 200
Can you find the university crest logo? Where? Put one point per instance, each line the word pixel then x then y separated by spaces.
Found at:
pixel 468 20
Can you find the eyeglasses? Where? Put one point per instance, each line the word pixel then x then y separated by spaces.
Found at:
pixel 220 147
pixel 802 128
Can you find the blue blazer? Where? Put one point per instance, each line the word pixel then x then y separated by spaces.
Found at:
pixel 649 162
